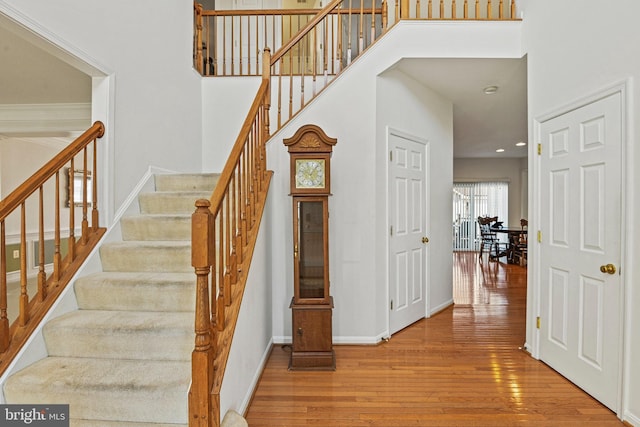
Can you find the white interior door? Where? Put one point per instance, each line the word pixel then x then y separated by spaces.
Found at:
pixel 407 234
pixel 580 208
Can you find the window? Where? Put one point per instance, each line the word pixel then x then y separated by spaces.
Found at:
pixel 471 200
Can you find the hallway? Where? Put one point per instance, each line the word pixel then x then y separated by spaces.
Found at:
pixel 463 366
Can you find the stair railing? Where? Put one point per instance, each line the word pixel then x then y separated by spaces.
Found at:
pixel 224 231
pixel 19 210
pixel 301 69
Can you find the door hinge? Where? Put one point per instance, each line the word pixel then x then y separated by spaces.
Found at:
pixel 539 236
pixel 391 230
pixel 391 156
pixel 538 322
pixel 391 305
pixel 539 149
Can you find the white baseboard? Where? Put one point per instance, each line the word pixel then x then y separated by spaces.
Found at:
pixel 632 419
pixel 441 307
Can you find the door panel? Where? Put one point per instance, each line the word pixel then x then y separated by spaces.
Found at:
pixel 407 216
pixel 580 200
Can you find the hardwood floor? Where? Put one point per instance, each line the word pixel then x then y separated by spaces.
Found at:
pixel 461 367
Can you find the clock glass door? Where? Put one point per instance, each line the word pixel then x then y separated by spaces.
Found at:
pixel 311 238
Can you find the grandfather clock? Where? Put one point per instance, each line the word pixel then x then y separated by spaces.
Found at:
pixel 311 307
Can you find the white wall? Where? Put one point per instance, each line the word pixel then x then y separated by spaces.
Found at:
pixel 499 169
pixel 576 48
pixel 356 110
pixel 405 105
pixel 145 46
pixel 252 341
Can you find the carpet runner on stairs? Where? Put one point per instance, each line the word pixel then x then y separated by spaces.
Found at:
pixel 123 358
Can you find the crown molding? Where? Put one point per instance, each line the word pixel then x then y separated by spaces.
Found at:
pixel 44 119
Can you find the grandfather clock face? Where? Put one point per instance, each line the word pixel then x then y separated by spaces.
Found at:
pixel 310 173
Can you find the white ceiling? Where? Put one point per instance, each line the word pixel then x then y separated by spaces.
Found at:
pixel 481 123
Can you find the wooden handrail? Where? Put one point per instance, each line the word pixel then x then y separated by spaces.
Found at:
pixel 35 181
pixel 224 231
pixel 31 310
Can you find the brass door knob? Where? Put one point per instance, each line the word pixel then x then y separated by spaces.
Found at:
pixel 425 240
pixel 609 268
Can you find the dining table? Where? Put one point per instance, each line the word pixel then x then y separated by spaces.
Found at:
pixel 513 237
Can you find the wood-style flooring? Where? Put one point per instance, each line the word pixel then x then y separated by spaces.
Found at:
pixel 462 367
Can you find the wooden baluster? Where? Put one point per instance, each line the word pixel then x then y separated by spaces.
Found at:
pixel 302 65
pixel 231 240
pixel 228 266
pixel 220 317
pixel 350 25
pixel 290 80
pixel 4 320
pixel 314 64
pixel 57 257
pixel 42 275
pixel 280 92
pixel 266 75
pixel 95 216
pixel 224 46
pixel 430 10
pixel 404 9
pixel 214 38
pixel 453 9
pixel 396 6
pixel 477 9
pixel 202 357
pixel 198 46
pixel 233 37
pixel 71 255
pixel 385 17
pixel 24 296
pixel 258 70
pixel 85 222
pixel 489 14
pixel 466 9
pixel 240 70
pixel 325 51
pixel 441 9
pixel 418 9
pixel 361 24
pixel 513 9
pixel 339 51
pixel 501 9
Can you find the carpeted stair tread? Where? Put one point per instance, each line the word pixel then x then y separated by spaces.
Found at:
pixel 156 227
pixel 144 291
pixel 121 335
pixel 167 203
pixel 105 389
pixel 186 182
pixel 166 256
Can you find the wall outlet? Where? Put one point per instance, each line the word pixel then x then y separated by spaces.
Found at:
pixel 16 254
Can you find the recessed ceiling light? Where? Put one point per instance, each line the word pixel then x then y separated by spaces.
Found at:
pixel 490 90
pixel 500 150
pixel 521 144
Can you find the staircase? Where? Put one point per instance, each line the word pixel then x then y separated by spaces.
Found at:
pixel 124 357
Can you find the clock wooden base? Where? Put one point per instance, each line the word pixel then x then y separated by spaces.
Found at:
pixel 312 337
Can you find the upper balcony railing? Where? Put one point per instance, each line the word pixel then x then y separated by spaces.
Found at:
pixel 230 42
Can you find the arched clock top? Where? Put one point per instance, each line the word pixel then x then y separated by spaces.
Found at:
pixel 310 139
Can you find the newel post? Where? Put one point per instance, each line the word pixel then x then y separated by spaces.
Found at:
pixel 202 412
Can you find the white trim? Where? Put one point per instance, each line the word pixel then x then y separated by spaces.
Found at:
pixel 47 119
pixel 626 160
pixel 441 307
